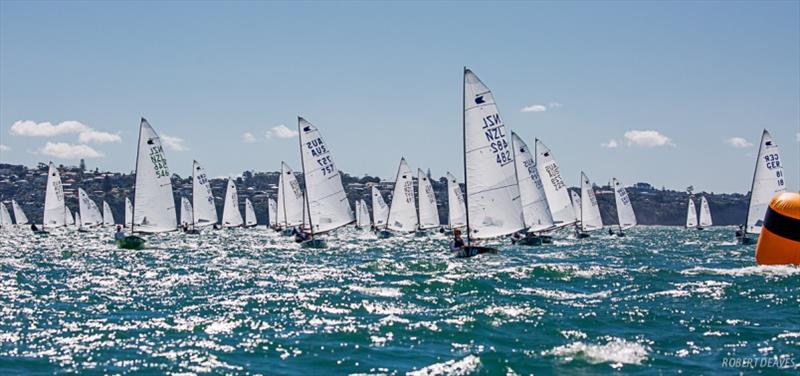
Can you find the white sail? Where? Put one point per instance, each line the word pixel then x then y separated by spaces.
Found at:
pixel 325 196
pixel 590 211
pixel 705 213
pixel 555 189
pixel 403 211
pixel 108 216
pixel 249 213
pixel 767 181
pixel 231 216
pixel 380 211
pixel 428 211
pixel 70 220
pixel 493 204
pixel 154 204
pixel 19 214
pixel 78 220
pixel 290 199
pixel 205 210
pixel 272 206
pixel 456 211
pixel 128 213
pixel 365 219
pixel 55 212
pixel 535 210
pixel 691 214
pixel 625 214
pixel 5 217
pixel 358 214
pixel 90 213
pixel 186 212
pixel 576 204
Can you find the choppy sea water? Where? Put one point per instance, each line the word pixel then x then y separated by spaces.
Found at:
pixel 252 302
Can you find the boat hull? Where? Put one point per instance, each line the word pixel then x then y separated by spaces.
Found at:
pixel 314 244
pixel 131 242
pixel 470 251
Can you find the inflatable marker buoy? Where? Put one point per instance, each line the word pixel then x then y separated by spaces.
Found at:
pixel 779 242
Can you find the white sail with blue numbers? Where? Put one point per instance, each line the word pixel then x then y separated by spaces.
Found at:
pixel 403 211
pixel 555 189
pixel 380 211
pixel 328 207
pixel 153 204
pixel 535 210
pixel 55 211
pixel 625 213
pixel 428 211
pixel 493 202
pixel 768 181
pixel 204 209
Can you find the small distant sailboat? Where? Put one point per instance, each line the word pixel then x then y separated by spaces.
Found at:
pixel 231 216
pixel 426 199
pixel 325 199
pixel 187 219
pixel 90 213
pixel 55 210
pixel 128 213
pixel 5 217
pixel 705 214
pixel 456 210
pixel 576 206
pixel 290 211
pixel 108 216
pixel 204 209
pixel 492 194
pixel 625 214
pixel 403 211
pixel 590 210
pixel 362 215
pixel 272 216
pixel 380 213
pixel 153 203
pixel 19 214
pixel 691 214
pixel 80 225
pixel 768 181
pixel 535 210
pixel 249 214
pixel 556 191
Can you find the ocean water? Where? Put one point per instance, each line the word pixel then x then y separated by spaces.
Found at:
pixel 252 302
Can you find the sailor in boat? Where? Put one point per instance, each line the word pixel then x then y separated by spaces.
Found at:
pixel 300 235
pixel 34 228
pixel 184 227
pixel 457 244
pixel 740 231
pixel 217 226
pixel 610 231
pixel 119 235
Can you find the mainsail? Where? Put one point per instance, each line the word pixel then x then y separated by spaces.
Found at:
pixel 55 212
pixel 456 211
pixel 428 212
pixel 231 216
pixel 19 214
pixel 272 206
pixel 705 213
pixel 77 220
pixel 90 213
pixel 576 204
pixel 326 199
pixel 154 205
pixel 5 217
pixel 767 181
pixel 249 213
pixel 535 210
pixel 290 199
pixel 558 197
pixel 128 213
pixel 691 214
pixel 205 210
pixel 403 211
pixel 365 220
pixel 590 211
pixel 108 216
pixel 187 218
pixel 380 211
pixel 493 204
pixel 625 214
pixel 70 220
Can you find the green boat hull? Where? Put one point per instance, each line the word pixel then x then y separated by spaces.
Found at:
pixel 131 242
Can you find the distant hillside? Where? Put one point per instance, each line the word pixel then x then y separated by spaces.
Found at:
pixel 27 186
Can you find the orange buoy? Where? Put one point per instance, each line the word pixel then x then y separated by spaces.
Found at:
pixel 779 242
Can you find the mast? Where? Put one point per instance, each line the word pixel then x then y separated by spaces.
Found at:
pixel 305 191
pixel 464 139
pixel 283 197
pixel 194 179
pixel 516 174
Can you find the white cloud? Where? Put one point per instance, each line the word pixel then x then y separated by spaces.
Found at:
pixel 64 150
pixel 611 144
pixel 534 108
pixel 738 142
pixel 173 143
pixel 281 131
pixel 648 138
pixel 248 137
pixel 47 129
pixel 98 137
pixel 4 148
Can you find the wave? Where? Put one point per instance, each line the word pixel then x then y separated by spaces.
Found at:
pixel 466 366
pixel 616 351
pixel 765 270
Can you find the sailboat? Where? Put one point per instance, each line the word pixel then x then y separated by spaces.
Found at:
pixel 272 216
pixel 290 211
pixel 380 213
pixel 204 209
pixel 55 211
pixel 767 182
pixel 428 216
pixel 77 220
pixel 625 214
pixel 362 214
pixel 590 210
pixel 555 189
pixel 249 214
pixel 456 211
pixel 231 216
pixel 153 201
pixel 187 218
pixel 492 197
pixel 5 217
pixel 576 206
pixel 108 216
pixel 19 214
pixel 705 214
pixel 691 214
pixel 128 213
pixel 535 211
pixel 402 216
pixel 72 220
pixel 325 199
pixel 90 213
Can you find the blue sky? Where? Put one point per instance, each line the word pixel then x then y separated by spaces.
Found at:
pixel 383 81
